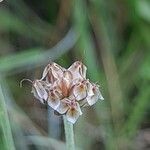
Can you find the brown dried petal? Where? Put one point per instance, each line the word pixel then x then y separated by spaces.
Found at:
pixel 54 99
pixel 36 95
pixel 73 113
pixel 39 90
pixel 90 86
pixel 63 107
pixel 45 72
pixel 53 72
pixel 97 95
pixel 57 71
pixel 78 70
pixel 80 91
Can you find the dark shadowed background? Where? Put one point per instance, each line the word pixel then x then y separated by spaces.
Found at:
pixel 112 38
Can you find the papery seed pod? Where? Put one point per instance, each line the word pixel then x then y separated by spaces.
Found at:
pixel 66 90
pixel 39 91
pixel 71 108
pixel 53 72
pixel 80 91
pixel 95 97
pixel 63 107
pixel 78 70
pixel 53 99
pixel 74 112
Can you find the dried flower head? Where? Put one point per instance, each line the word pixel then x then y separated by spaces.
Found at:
pixel 66 90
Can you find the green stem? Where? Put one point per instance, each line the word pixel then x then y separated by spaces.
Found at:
pixel 69 134
pixel 5 126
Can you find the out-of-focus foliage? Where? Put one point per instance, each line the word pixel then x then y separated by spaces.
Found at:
pixel 111 37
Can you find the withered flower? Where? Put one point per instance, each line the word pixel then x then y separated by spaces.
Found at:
pixel 66 90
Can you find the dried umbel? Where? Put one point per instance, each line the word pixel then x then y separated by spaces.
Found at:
pixel 66 90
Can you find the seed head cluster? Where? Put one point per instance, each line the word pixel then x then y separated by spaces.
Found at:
pixel 66 90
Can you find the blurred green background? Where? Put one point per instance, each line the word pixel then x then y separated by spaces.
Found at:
pixel 112 38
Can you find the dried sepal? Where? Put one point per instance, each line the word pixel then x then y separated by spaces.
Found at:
pixel 78 70
pixel 53 99
pixel 53 72
pixel 71 108
pixel 95 97
pixel 57 70
pixel 39 91
pixel 73 113
pixel 36 95
pixel 80 91
pixel 63 107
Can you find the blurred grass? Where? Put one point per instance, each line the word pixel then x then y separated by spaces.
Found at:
pixel 111 38
pixel 137 114
pixel 36 56
pixel 14 24
pixel 5 128
pixel 87 51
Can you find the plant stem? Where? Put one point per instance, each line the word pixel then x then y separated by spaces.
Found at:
pixel 69 134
